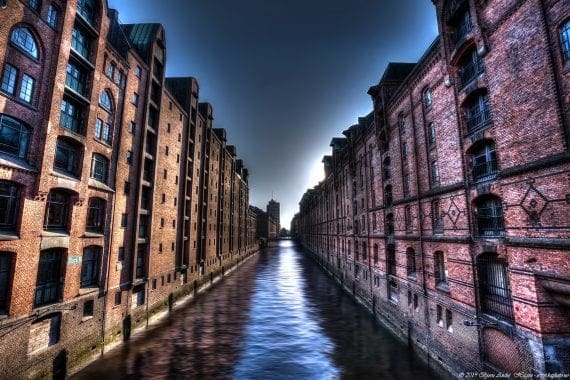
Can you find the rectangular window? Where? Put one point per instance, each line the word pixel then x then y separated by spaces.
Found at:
pixel 435 173
pixel 5 274
pixel 127 189
pixel 52 16
pixel 135 99
pixel 70 115
pixel 129 157
pixel 124 220
pixel 118 296
pixel 132 127
pixel 9 79
pixel 98 128
pixel 99 168
pixel 48 284
pixel 66 158
pixel 439 315
pixel 440 270
pixel 449 320
pixel 121 254
pixel 80 43
pixel 138 72
pixel 88 309
pixel 75 79
pixel 10 206
pixel 431 134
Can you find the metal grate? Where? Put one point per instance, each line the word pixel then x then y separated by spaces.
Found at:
pixel 494 292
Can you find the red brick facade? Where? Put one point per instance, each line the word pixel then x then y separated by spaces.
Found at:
pixel 117 196
pixel 446 208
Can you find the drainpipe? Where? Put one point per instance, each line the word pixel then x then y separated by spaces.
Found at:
pixel 420 222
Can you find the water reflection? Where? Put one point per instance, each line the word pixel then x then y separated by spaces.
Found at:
pixel 277 317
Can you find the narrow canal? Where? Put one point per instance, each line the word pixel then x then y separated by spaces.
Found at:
pixel 276 317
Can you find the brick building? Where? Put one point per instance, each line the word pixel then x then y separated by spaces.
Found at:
pixel 446 209
pixel 117 194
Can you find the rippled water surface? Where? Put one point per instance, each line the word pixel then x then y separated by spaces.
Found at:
pixel 276 317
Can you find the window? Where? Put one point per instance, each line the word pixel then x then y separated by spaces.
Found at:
pixel 124 220
pixel 391 260
pixel 408 219
pixel 484 161
pixel 35 5
pixel 103 131
pixel 121 79
pixel 416 303
pixel 470 66
pixel 80 43
pixel 404 151
pixel 375 253
pixel 401 122
pixel 121 254
pixel 437 217
pixel 75 79
pixel 431 134
pixel 448 320
pixel 86 8
pixel 460 26
pixel 390 224
pixel 160 247
pixel 410 262
pixel 52 16
pixel 99 167
pixel 129 157
pixel 140 264
pixel 143 222
pixel 57 211
pixel 96 215
pixel 14 137
pixel 388 196
pixel 440 270
pixel 48 286
pixel 427 98
pixel 5 275
pixel 406 185
pixel 67 157
pixel 138 72
pixel 439 315
pixel 490 216
pixel 9 205
pixel 23 38
pixel 111 70
pixel 494 291
pixel 387 172
pixel 88 309
pixel 118 297
pixel 477 112
pixel 105 100
pixel 90 266
pixel 9 79
pixel 565 41
pixel 135 99
pixel 44 332
pixel 132 127
pixel 434 173
pixel 27 88
pixel 364 252
pixel 71 115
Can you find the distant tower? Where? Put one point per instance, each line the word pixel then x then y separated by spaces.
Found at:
pixel 273 211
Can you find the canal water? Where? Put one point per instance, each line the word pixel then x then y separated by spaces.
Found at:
pixel 278 316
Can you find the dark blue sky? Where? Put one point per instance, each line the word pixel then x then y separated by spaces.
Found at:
pixel 285 76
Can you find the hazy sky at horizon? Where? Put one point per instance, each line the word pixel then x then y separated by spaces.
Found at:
pixel 284 77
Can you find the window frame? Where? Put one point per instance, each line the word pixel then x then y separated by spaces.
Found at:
pixel 60 207
pixel 96 215
pixel 10 195
pixel 99 168
pixel 32 51
pixel 73 157
pixel 90 265
pixel 9 124
pixel 9 79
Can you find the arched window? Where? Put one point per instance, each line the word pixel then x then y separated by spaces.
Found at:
pixel 470 66
pixel 484 160
pixel 440 270
pixel 490 216
pixel 565 41
pixel 494 292
pixel 23 38
pixel 105 100
pixel 5 280
pixel 458 18
pixel 9 205
pixel 90 266
pixel 96 215
pixel 410 261
pixel 427 98
pixel 387 172
pixel 57 211
pixel 14 137
pixel 99 167
pixel 408 219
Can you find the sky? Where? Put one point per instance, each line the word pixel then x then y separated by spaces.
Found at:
pixel 285 76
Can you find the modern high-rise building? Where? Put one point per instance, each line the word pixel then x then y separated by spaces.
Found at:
pixel 273 211
pixel 117 194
